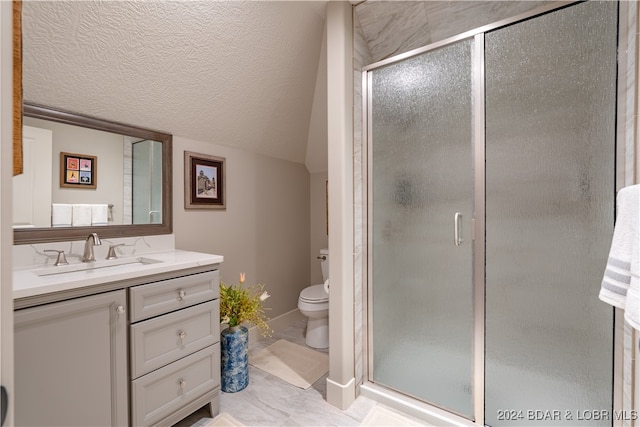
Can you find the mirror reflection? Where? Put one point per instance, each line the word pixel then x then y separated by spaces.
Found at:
pixel 84 172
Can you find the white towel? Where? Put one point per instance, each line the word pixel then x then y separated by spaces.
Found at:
pixel 81 215
pixel 99 214
pixel 620 285
pixel 632 309
pixel 61 215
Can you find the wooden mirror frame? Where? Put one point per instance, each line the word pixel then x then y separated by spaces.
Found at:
pixel 60 234
pixel 17 87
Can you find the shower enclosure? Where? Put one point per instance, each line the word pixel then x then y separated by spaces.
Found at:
pixel 491 208
pixel 147 182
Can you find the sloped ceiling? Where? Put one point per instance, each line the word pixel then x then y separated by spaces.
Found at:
pixel 233 73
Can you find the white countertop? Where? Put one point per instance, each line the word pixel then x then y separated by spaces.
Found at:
pixel 27 282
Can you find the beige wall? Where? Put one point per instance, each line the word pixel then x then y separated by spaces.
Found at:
pixel 264 230
pixel 319 237
pixel 109 150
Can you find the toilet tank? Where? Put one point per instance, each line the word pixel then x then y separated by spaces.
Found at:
pixel 324 263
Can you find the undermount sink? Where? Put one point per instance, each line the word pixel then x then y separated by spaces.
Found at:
pixel 102 265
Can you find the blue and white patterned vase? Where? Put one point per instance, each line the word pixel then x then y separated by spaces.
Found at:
pixel 234 347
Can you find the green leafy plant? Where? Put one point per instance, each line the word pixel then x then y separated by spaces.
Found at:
pixel 240 304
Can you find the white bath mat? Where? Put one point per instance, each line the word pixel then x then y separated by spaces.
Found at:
pixel 224 420
pixel 382 417
pixel 298 365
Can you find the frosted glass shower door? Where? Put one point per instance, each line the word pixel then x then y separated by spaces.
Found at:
pixel 550 187
pixel 421 195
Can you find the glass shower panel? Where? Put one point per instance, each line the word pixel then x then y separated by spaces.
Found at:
pixel 421 177
pixel 550 190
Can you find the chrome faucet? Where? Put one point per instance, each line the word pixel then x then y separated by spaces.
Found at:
pixel 92 240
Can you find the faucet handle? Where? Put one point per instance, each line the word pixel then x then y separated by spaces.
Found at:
pixel 112 251
pixel 61 260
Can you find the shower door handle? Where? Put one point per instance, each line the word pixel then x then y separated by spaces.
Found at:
pixel 457 227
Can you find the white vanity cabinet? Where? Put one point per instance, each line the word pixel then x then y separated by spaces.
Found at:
pixel 116 349
pixel 174 348
pixel 71 362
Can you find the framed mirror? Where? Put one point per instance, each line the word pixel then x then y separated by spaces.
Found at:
pixel 83 175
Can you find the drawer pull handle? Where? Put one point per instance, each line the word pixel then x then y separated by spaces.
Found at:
pixel 120 309
pixel 182 335
pixel 183 384
pixel 181 295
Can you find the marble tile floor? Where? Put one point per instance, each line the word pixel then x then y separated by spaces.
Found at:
pixel 270 401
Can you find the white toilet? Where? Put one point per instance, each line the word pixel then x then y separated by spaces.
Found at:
pixel 314 303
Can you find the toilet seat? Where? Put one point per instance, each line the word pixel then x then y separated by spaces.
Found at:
pixel 314 294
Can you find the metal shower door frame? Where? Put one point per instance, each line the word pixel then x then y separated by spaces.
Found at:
pixel 476 222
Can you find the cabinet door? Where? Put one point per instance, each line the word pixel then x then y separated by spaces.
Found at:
pixel 71 362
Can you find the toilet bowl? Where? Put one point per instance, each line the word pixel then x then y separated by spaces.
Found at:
pixel 313 303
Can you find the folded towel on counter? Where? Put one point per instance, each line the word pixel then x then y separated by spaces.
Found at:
pixel 99 214
pixel 61 214
pixel 81 215
pixel 620 285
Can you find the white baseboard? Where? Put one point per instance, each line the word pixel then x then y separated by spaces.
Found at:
pixel 341 395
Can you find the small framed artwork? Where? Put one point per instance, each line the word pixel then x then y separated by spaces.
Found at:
pixel 78 170
pixel 204 186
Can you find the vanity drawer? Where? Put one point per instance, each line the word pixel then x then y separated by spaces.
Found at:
pixel 169 295
pixel 162 340
pixel 160 393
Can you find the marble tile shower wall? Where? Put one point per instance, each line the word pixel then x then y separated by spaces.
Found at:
pixel 628 28
pixel 361 57
pixel 394 27
pixel 628 115
pixel 383 29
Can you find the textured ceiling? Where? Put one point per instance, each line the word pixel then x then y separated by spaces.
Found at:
pixel 233 73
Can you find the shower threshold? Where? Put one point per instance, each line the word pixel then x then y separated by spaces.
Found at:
pixel 431 415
